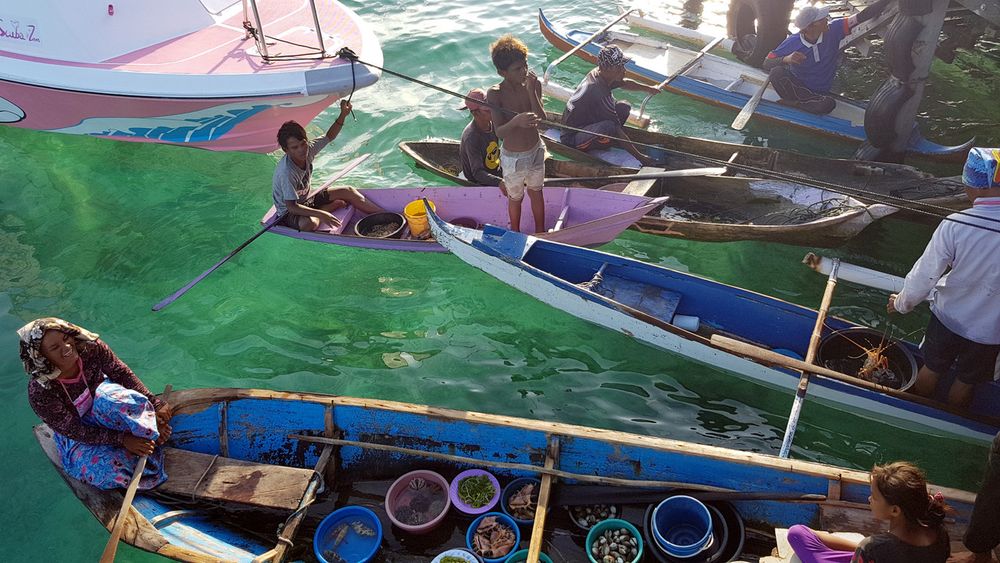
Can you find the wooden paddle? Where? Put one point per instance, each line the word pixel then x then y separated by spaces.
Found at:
pixel 710 171
pixel 800 391
pixel 682 70
pixel 741 120
pixel 769 357
pixel 175 295
pixel 116 533
pixel 581 45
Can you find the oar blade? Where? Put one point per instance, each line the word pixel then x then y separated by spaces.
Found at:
pixel 748 110
pixel 175 295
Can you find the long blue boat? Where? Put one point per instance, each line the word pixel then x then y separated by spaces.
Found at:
pixel 250 471
pixel 727 83
pixel 740 331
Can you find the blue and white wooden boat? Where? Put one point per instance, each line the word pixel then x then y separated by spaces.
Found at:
pixel 243 461
pixel 727 83
pixel 641 300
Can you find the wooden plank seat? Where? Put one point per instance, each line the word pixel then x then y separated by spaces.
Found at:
pixel 208 477
pixel 345 214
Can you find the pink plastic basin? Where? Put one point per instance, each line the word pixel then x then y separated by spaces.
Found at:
pixel 410 501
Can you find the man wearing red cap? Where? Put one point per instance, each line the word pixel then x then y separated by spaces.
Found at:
pixel 480 148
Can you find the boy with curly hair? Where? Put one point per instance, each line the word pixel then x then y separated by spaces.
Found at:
pixel 516 107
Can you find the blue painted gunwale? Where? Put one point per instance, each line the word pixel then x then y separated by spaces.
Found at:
pixel 566 40
pixel 766 320
pixel 258 422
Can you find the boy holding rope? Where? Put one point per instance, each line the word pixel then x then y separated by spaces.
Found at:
pixel 516 107
pixel 964 331
pixel 292 175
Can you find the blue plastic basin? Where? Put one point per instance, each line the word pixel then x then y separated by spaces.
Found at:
pixel 354 547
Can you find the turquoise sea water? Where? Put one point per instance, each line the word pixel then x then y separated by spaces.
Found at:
pixel 97 231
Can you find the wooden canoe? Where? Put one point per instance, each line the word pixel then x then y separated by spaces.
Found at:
pixel 711 208
pixel 573 215
pixel 901 183
pixel 643 301
pixel 724 209
pixel 727 83
pixel 239 457
pixel 441 157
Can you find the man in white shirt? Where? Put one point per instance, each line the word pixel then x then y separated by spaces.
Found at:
pixel 963 336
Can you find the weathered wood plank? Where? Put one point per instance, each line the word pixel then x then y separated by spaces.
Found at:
pixel 233 480
pixel 853 517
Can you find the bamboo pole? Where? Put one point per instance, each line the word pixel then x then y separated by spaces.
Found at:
pixel 507 465
pixel 800 391
pixel 538 527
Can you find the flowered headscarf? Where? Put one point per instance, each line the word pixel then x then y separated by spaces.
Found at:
pixel 35 363
pixel 982 169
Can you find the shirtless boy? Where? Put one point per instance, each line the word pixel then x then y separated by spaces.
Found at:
pixel 516 107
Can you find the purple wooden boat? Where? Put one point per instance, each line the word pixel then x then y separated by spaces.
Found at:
pixel 577 216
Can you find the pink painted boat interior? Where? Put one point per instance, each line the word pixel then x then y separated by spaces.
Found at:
pixel 591 217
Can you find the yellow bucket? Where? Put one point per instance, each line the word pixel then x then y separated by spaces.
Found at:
pixel 416 217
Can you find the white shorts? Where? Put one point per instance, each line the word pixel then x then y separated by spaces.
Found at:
pixel 523 170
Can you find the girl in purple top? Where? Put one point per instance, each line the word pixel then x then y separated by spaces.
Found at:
pixel 103 418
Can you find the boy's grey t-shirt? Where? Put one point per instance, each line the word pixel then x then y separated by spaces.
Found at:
pixel 290 181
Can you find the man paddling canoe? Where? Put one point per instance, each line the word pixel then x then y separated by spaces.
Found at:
pixel 293 173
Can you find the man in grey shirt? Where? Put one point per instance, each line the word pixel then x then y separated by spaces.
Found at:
pixel 593 108
pixel 290 185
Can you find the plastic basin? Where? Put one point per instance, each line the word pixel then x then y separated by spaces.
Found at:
pixel 522 555
pixel 503 519
pixel 465 508
pixel 682 526
pixel 611 524
pixel 463 554
pixel 338 534
pixel 365 226
pixel 413 494
pixel 511 489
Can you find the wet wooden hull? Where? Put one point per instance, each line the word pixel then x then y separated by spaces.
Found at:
pixel 641 300
pixel 261 427
pixel 736 201
pixel 871 182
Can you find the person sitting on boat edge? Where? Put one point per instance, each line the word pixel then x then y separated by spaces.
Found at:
pixel 593 108
pixel 101 415
pixel 916 531
pixel 479 148
pixel 963 336
pixel 293 173
pixel 802 67
pixel 516 108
